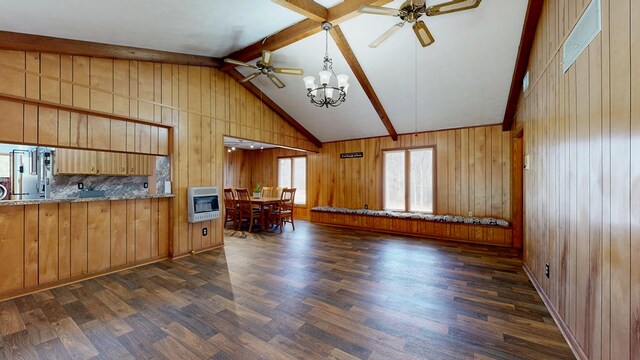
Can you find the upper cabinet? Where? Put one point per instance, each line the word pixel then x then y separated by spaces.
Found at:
pixel 85 162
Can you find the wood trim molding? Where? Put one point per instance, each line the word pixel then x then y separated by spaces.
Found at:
pixel 534 9
pixel 87 112
pixel 299 31
pixel 308 8
pixel 354 64
pixel 564 329
pixel 237 76
pixel 27 42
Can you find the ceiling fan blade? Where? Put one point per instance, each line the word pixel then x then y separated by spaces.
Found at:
pixel 378 10
pixel 266 57
pixel 423 34
pixel 289 71
pixel 239 63
pixel 250 76
pixel 274 79
pixel 386 35
pixel 452 6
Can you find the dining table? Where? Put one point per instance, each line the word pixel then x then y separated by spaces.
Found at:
pixel 265 203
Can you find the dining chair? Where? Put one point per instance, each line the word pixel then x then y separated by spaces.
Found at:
pixel 246 208
pixel 284 212
pixel 268 191
pixel 230 207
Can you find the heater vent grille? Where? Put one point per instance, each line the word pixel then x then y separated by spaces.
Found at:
pixel 589 25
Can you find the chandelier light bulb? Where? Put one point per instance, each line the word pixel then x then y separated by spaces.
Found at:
pixel 343 80
pixel 325 77
pixel 328 92
pixel 309 82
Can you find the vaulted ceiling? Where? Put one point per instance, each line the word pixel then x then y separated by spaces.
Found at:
pixel 463 79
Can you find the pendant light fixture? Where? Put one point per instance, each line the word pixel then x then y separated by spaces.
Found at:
pixel 325 94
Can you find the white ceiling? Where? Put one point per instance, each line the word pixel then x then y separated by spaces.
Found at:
pixel 201 27
pixel 246 144
pixel 461 80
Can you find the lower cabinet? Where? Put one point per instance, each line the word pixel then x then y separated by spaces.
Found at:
pixel 52 243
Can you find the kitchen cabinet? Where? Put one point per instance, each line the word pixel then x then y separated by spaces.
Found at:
pixel 86 162
pixel 111 163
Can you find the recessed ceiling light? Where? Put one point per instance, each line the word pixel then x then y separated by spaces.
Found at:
pixel 251 146
pixel 233 148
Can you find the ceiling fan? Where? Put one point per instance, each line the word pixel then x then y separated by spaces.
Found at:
pixel 264 67
pixel 411 11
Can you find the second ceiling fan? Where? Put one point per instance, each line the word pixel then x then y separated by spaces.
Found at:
pixel 411 11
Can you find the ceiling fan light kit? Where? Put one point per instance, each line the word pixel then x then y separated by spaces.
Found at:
pixel 323 95
pixel 411 11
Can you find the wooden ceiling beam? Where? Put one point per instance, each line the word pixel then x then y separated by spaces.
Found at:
pixel 301 30
pixel 307 8
pixel 354 64
pixel 27 42
pixel 237 76
pixel 534 9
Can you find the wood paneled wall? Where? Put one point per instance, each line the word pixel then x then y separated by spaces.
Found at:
pixel 238 167
pixel 582 193
pixel 473 167
pixel 48 244
pixel 198 106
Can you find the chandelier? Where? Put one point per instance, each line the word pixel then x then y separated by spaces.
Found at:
pixel 325 94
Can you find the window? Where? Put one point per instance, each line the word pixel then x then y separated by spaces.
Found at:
pixel 409 180
pixel 292 173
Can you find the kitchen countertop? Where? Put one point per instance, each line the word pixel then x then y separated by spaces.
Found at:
pixel 75 199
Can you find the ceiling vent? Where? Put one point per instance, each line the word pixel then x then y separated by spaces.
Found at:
pixel 582 34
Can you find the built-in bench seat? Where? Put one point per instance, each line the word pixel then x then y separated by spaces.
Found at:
pixel 484 230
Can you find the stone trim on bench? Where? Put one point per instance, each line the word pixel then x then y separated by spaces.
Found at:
pixel 471 220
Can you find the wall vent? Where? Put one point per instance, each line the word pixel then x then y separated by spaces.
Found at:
pixel 589 25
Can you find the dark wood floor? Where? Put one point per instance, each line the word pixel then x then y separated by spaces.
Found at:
pixel 317 292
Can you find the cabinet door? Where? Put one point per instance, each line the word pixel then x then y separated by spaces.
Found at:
pixel 119 163
pixel 71 162
pixel 138 165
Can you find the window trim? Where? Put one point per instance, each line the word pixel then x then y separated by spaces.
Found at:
pixel 407 179
pixel 306 174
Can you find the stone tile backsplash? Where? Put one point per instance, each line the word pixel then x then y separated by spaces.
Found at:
pixel 66 186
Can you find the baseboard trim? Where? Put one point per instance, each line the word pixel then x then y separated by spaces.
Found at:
pixel 78 278
pixel 564 329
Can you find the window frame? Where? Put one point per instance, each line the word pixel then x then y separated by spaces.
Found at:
pixel 407 178
pixel 306 174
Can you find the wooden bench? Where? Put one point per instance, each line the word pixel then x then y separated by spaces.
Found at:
pixel 489 231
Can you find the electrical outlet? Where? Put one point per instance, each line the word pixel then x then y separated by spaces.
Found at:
pixel 80 186
pixel 204 231
pixel 146 185
pixel 470 213
pixel 547 270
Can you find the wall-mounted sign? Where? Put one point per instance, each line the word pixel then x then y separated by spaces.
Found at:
pixel 352 155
